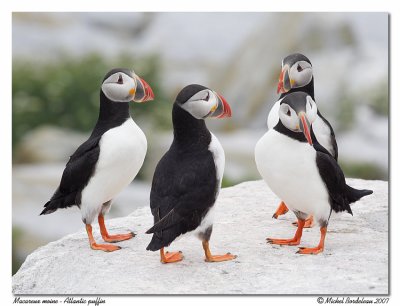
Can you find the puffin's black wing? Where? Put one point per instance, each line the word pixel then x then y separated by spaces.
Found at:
pixel 76 175
pixel 333 138
pixel 340 194
pixel 183 190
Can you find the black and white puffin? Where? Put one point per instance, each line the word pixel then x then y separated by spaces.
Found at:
pixel 301 171
pixel 297 75
pixel 188 177
pixel 109 160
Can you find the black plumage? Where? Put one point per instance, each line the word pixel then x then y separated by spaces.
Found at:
pixel 82 163
pixel 341 195
pixel 185 184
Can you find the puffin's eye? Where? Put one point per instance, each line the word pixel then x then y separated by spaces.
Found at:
pixel 299 68
pixel 207 97
pixel 120 81
pixel 288 112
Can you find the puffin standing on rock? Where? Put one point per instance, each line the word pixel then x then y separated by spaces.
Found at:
pixel 109 160
pixel 301 171
pixel 297 75
pixel 188 177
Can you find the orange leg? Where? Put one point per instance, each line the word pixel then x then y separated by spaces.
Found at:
pixel 281 210
pixel 112 238
pixel 215 258
pixel 101 247
pixel 170 257
pixel 319 248
pixel 294 241
pixel 309 222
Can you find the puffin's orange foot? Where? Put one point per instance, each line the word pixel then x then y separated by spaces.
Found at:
pixel 170 257
pixel 218 258
pixel 308 224
pixel 281 210
pixel 311 251
pixel 104 247
pixel 118 238
pixel 283 241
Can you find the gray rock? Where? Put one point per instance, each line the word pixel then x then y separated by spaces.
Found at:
pixel 355 260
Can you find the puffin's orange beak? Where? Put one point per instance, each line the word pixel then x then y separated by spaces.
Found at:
pixel 143 91
pixel 222 108
pixel 280 83
pixel 148 92
pixel 227 108
pixel 284 81
pixel 305 127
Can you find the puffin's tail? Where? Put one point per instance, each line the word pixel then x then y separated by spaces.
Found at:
pixel 155 244
pixel 353 195
pixel 59 201
pixel 162 239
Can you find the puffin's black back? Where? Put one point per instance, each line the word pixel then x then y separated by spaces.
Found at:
pixel 341 195
pixel 82 163
pixel 184 184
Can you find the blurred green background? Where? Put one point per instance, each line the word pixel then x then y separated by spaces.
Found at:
pixel 59 60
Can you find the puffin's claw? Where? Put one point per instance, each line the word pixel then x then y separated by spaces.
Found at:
pixel 281 210
pixel 170 257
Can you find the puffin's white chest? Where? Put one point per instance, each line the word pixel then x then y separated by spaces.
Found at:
pixel 122 152
pixel 122 149
pixel 216 149
pixel 289 168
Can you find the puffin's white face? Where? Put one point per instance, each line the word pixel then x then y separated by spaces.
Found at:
pixel 295 76
pixel 298 120
pixel 207 103
pixel 300 74
pixel 289 117
pixel 121 87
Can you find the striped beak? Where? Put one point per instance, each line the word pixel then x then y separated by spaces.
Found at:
pixel 221 109
pixel 143 91
pixel 284 84
pixel 305 127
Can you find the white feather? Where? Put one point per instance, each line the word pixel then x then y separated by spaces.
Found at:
pixel 122 152
pixel 289 168
pixel 118 92
pixel 323 134
pixel 216 149
pixel 273 116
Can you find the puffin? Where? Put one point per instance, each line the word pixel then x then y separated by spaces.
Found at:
pixel 297 75
pixel 108 160
pixel 301 171
pixel 187 179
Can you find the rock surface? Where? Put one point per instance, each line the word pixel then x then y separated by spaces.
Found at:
pixel 355 260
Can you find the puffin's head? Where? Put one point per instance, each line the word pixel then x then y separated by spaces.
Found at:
pixel 123 85
pixel 296 72
pixel 297 112
pixel 201 102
